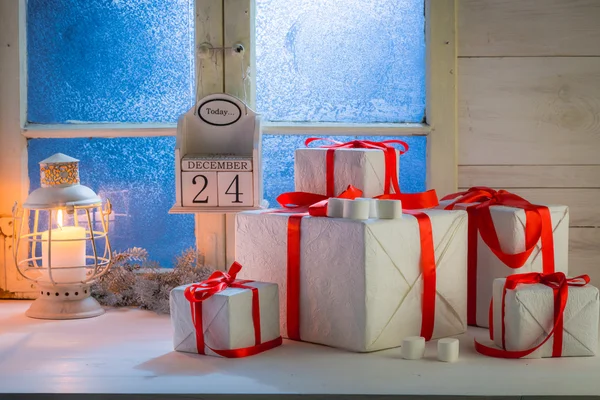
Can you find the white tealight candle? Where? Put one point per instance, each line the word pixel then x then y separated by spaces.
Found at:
pixel 447 349
pixel 357 209
pixel 413 348
pixel 389 209
pixel 68 250
pixel 372 206
pixel 335 207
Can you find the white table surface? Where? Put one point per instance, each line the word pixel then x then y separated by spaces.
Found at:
pixel 130 351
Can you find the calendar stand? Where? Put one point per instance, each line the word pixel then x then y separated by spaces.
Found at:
pixel 218 158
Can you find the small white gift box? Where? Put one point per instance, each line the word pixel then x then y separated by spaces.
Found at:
pixel 529 317
pixel 364 168
pixel 226 322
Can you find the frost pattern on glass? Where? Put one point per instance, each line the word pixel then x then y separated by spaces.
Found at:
pixel 340 60
pixel 138 176
pixel 278 162
pixel 109 61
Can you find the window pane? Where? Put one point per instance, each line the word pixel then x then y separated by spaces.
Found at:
pixel 278 162
pixel 138 177
pixel 109 61
pixel 340 60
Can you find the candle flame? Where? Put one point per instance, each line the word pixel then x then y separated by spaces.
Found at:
pixel 59 219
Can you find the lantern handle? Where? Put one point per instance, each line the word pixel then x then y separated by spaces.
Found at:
pixel 107 208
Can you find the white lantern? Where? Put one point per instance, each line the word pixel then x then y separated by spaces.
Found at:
pixel 62 244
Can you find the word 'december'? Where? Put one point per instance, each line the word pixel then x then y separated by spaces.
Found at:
pixel 216 163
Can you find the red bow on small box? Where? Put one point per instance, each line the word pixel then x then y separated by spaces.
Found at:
pixel 560 285
pixel 391 161
pixel 217 282
pixel 538 225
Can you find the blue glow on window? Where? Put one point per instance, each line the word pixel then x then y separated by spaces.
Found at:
pixel 109 61
pixel 138 176
pixel 340 60
pixel 278 162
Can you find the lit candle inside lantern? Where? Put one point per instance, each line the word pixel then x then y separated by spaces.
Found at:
pixel 69 253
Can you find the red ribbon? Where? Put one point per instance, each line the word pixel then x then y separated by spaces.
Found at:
pixel 538 225
pixel 391 160
pixel 217 282
pixel 301 204
pixel 560 286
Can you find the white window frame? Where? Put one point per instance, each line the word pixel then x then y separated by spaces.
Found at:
pixel 222 23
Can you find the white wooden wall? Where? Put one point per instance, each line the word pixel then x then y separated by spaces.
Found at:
pixel 529 108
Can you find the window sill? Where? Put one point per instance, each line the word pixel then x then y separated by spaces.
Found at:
pixel 129 351
pixel 88 130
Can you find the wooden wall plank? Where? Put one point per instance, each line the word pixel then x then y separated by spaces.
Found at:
pixel 515 111
pixel 584 253
pixel 528 27
pixel 583 203
pixel 530 176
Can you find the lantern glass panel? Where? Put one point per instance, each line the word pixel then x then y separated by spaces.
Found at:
pixel 137 176
pixel 75 249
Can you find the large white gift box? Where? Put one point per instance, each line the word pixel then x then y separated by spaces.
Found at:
pixel 361 285
pixel 226 318
pixel 529 318
pixel 362 168
pixel 509 224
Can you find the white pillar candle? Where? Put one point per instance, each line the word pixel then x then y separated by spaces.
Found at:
pixel 357 209
pixel 389 209
pixel 447 349
pixel 413 348
pixel 372 206
pixel 69 253
pixel 335 207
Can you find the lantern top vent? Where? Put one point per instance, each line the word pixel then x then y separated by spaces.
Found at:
pixel 59 178
pixel 59 158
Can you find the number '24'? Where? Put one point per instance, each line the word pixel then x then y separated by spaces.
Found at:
pixel 235 181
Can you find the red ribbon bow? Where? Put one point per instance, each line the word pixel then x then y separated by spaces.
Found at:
pixel 217 282
pixel 312 203
pixel 391 161
pixel 303 204
pixel 560 285
pixel 538 225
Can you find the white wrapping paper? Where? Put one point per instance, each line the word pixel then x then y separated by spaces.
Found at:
pixel 360 281
pixel 362 168
pixel 510 227
pixel 529 318
pixel 226 317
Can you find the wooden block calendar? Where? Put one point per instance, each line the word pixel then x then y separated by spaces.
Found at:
pixel 217 157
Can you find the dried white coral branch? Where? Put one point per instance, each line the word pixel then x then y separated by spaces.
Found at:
pixel 134 280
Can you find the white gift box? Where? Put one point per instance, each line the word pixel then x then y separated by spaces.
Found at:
pixel 509 223
pixel 360 280
pixel 226 318
pixel 529 318
pixel 362 168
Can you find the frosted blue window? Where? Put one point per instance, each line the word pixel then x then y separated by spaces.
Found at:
pixel 278 162
pixel 340 60
pixel 138 177
pixel 109 61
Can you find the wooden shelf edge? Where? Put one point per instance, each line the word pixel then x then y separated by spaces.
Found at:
pixel 211 210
